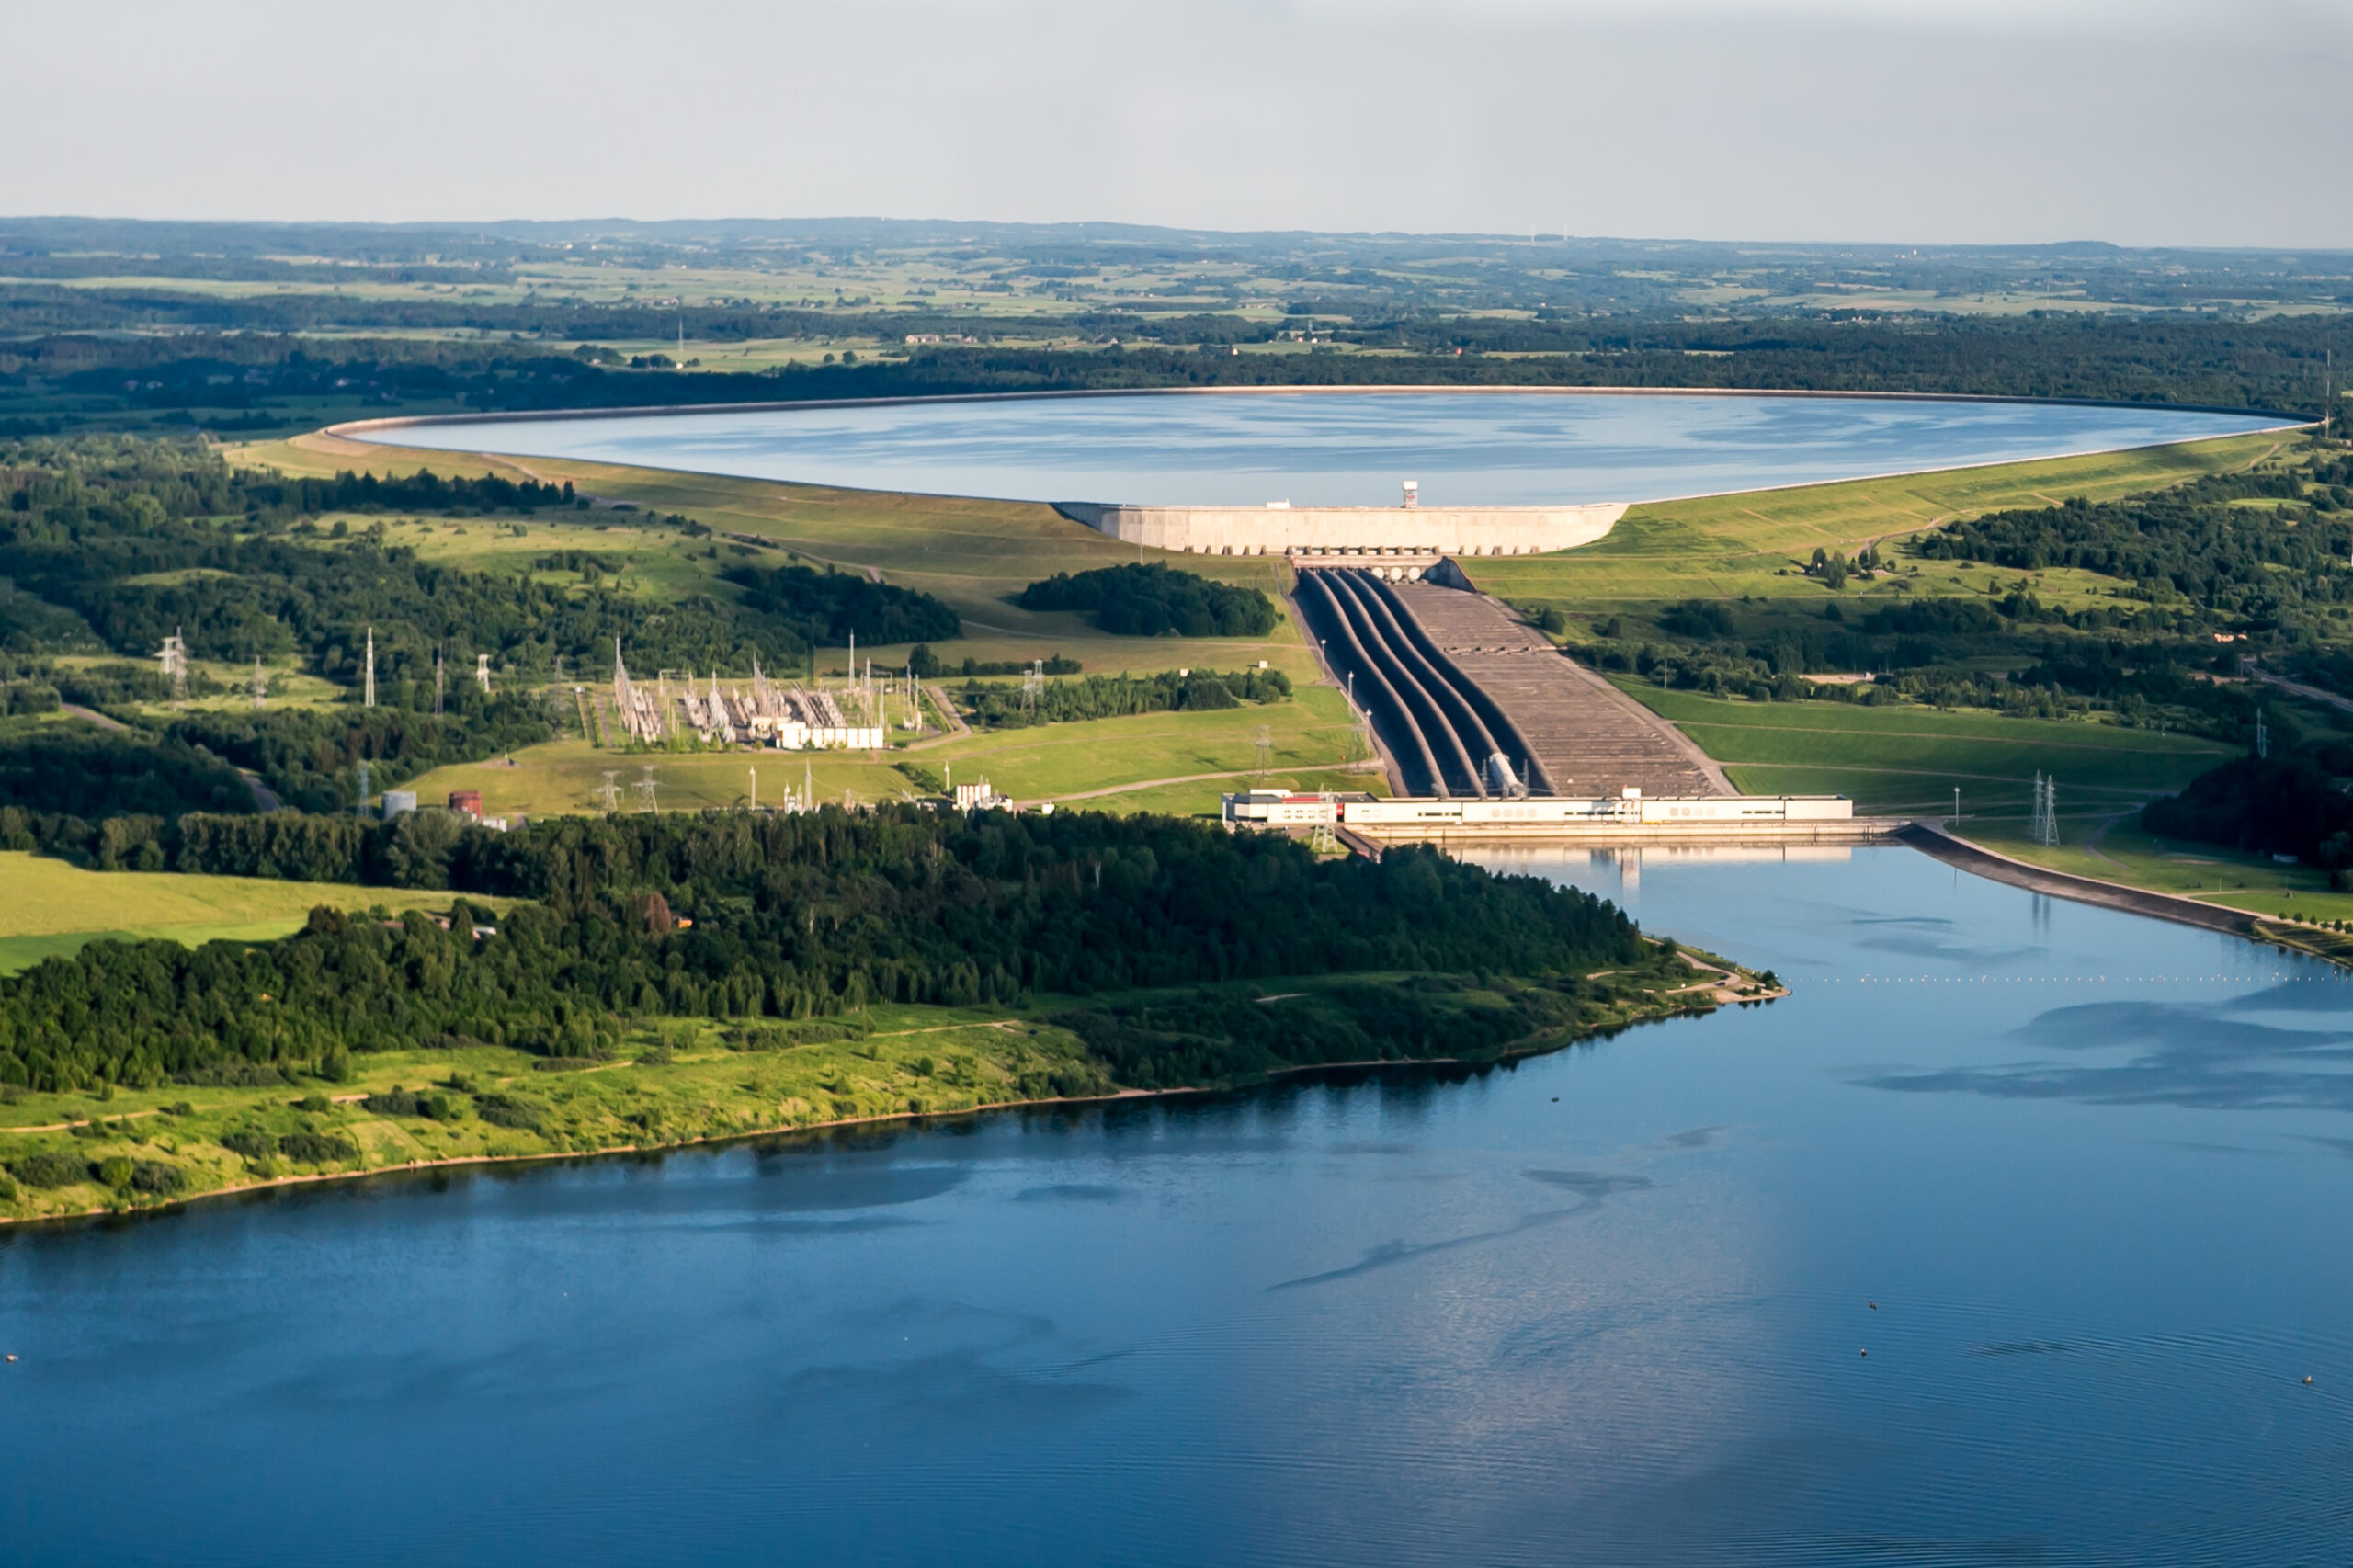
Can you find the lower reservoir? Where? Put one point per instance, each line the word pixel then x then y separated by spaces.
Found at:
pixel 2012 1234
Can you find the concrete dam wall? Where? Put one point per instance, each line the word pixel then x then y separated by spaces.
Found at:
pixel 1349 530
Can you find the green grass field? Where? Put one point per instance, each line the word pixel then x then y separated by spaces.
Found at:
pixel 1120 765
pixel 49 907
pixel 1722 547
pixel 1907 760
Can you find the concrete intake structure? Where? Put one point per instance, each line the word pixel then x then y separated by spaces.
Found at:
pixel 1283 530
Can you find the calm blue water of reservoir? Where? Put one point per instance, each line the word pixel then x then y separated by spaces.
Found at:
pixel 1609 1306
pixel 1342 448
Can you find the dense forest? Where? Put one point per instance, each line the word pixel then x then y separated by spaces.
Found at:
pixel 839 605
pixel 793 916
pixel 140 540
pixel 2282 805
pixel 310 758
pixel 2188 540
pixel 1155 601
pixel 95 774
pixel 2261 561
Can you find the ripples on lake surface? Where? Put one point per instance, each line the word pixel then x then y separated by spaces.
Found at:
pixel 1342 448
pixel 2092 1169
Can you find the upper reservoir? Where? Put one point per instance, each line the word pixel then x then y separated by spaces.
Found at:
pixel 2011 1236
pixel 1332 448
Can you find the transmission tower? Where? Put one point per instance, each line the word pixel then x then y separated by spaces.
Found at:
pixel 174 658
pixel 363 786
pixel 370 698
pixel 482 671
pixel 2262 736
pixel 1266 749
pixel 612 792
pixel 260 686
pixel 2044 829
pixel 439 686
pixel 1033 682
pixel 645 787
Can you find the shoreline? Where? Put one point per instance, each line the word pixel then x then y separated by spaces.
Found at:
pixel 1698 1006
pixel 1940 844
pixel 379 432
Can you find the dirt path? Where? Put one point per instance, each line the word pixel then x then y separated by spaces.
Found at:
pixel 95 717
pixel 2091 840
pixel 2298 688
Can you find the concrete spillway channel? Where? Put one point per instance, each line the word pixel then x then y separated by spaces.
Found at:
pixel 1368 681
pixel 1440 730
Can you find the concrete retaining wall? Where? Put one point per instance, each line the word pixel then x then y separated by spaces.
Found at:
pixel 1405 531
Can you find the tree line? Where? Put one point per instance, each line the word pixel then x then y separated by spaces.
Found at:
pixel 792 917
pixel 53 379
pixel 1115 697
pixel 134 541
pixel 1155 601
pixel 832 607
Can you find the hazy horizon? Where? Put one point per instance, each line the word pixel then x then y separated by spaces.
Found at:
pixel 2187 124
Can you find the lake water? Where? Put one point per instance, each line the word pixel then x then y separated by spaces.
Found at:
pixel 1606 1306
pixel 1341 448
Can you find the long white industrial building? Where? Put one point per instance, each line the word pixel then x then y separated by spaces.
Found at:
pixel 1774 816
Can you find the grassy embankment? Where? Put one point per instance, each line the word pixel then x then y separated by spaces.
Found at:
pixel 974 554
pixel 1907 760
pixel 1731 547
pixel 48 907
pixel 676 1082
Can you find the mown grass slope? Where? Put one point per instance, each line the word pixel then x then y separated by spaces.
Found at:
pixel 49 907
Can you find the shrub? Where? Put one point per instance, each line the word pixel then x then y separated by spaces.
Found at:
pixel 116 1171
pixel 507 1110
pixel 251 1144
pixel 159 1177
pixel 317 1148
pixel 49 1168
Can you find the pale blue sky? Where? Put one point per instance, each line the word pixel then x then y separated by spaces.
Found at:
pixel 2165 123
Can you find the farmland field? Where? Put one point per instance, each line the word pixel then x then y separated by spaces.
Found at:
pixel 48 906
